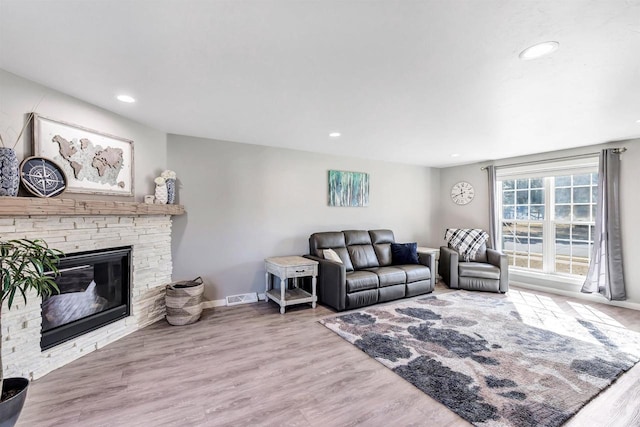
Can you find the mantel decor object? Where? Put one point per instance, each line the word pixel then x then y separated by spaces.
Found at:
pixel 9 177
pixel 94 162
pixel 170 181
pixel 42 177
pixel 161 191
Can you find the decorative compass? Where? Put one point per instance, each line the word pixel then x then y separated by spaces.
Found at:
pixel 42 177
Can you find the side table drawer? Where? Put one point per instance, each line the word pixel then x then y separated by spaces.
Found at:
pixel 302 271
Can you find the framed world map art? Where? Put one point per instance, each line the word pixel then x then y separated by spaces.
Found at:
pixel 94 162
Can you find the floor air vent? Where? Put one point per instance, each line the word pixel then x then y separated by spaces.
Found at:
pixel 242 299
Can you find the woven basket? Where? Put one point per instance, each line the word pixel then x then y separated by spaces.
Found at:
pixel 184 301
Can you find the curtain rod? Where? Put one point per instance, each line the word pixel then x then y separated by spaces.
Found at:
pixel 577 156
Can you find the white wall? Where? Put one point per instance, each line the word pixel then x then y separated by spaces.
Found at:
pixel 18 96
pixel 246 202
pixel 476 213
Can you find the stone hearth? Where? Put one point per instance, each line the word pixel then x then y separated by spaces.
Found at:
pixel 148 232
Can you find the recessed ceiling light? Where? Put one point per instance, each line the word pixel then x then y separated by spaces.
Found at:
pixel 638 121
pixel 126 98
pixel 455 155
pixel 538 50
pixel 334 135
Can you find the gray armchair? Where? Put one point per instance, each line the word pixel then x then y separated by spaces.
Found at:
pixel 487 271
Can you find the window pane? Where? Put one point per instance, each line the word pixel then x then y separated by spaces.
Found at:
pixel 537 212
pixel 581 212
pixel 594 194
pixel 507 244
pixel 581 195
pixel 584 179
pixel 563 231
pixel 594 179
pixel 508 212
pixel 522 212
pixel 522 183
pixel 593 212
pixel 563 212
pixel 508 198
pixel 536 229
pixel 537 197
pixel 563 181
pixel 537 183
pixel 522 197
pixel 508 184
pixel 579 232
pixel 563 195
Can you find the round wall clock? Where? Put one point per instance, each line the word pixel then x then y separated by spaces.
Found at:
pixel 462 193
pixel 42 177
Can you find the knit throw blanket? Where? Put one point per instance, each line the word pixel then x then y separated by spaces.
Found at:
pixel 466 241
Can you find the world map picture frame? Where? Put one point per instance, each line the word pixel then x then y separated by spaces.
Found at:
pixel 94 162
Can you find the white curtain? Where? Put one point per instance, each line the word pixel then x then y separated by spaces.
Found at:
pixel 605 274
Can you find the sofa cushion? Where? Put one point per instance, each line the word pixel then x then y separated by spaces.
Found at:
pixel 388 276
pixel 362 256
pixel 415 273
pixel 404 253
pixel 381 236
pixel 343 253
pixel 383 253
pixel 362 298
pixel 480 270
pixel 356 237
pixel 361 280
pixel 325 240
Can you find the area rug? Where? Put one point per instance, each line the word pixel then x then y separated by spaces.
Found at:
pixel 495 361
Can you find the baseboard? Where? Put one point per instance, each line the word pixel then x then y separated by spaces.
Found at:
pixel 578 295
pixel 222 302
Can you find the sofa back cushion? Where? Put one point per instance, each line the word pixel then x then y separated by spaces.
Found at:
pixel 330 240
pixel 360 249
pixel 481 255
pixel 382 240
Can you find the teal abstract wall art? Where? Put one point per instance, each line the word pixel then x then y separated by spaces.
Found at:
pixel 348 188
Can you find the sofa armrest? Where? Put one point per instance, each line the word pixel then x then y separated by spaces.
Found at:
pixel 331 283
pixel 501 261
pixel 429 260
pixel 449 266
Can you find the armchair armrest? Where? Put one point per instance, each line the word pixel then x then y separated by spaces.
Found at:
pixel 449 259
pixel 501 261
pixel 429 260
pixel 331 284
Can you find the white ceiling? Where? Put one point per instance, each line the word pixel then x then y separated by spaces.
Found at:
pixel 405 81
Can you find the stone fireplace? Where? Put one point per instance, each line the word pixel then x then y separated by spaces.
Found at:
pixel 82 227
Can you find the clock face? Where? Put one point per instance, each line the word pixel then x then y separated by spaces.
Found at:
pixel 462 193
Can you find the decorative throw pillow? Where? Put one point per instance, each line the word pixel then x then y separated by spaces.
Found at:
pixel 331 255
pixel 404 253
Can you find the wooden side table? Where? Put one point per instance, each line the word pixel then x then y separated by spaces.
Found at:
pixel 285 268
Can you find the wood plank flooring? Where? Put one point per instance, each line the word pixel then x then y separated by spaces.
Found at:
pixel 250 366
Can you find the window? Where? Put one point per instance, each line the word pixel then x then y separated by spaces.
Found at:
pixel 547 215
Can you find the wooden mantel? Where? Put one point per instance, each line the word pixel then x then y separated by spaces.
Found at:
pixel 33 206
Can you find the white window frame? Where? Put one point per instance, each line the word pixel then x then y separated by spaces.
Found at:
pixel 547 170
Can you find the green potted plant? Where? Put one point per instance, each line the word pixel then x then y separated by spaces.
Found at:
pixel 24 265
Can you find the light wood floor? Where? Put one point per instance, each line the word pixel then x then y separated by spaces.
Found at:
pixel 248 365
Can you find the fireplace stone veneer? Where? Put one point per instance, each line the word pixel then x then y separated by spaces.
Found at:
pixel 150 239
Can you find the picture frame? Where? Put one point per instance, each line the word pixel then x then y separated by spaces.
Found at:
pixel 94 162
pixel 349 189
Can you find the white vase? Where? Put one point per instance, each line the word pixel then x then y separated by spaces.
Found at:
pixel 161 194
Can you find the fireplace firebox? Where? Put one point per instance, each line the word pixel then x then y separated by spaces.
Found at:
pixel 94 291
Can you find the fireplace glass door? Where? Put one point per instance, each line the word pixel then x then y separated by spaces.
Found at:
pixel 94 291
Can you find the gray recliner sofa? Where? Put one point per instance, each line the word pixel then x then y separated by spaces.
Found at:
pixel 487 271
pixel 366 274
